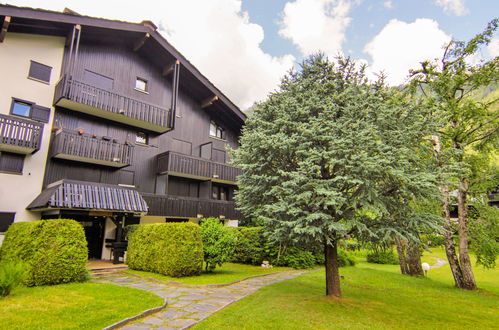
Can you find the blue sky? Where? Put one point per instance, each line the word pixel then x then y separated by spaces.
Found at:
pixel 245 46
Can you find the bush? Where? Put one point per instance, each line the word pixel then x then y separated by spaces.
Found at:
pixel 218 243
pixel 251 246
pixel 433 239
pixel 386 257
pixel 173 249
pixel 299 259
pixel 345 258
pixel 11 275
pixel 53 251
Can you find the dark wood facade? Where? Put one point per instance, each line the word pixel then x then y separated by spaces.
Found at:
pixel 154 136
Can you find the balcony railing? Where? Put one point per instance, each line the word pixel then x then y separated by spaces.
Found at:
pixel 19 135
pixel 187 207
pixel 197 168
pixel 89 149
pixel 79 96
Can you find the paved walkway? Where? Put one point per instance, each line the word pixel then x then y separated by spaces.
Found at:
pixel 188 305
pixel 439 263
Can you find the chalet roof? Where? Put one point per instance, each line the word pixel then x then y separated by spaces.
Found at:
pixel 70 194
pixel 41 21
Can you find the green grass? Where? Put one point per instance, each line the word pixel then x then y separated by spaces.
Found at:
pixel 374 297
pixel 72 306
pixel 228 273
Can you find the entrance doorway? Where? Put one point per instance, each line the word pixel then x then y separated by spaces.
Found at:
pixel 94 233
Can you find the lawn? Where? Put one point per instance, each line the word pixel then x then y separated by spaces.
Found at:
pixel 374 297
pixel 228 273
pixel 72 306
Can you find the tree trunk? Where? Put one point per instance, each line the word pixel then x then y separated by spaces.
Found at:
pixel 450 249
pixel 409 254
pixel 401 250
pixel 464 257
pixel 332 270
pixel 414 259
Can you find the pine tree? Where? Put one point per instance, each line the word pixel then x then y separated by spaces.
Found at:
pixel 323 157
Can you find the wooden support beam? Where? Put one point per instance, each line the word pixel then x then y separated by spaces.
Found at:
pixel 138 45
pixel 167 70
pixel 209 101
pixel 71 34
pixel 5 27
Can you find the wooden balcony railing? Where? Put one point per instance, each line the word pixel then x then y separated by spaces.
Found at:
pixel 197 168
pixel 19 135
pixel 87 149
pixel 187 207
pixel 79 96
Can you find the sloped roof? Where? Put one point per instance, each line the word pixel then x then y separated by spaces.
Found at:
pixel 71 194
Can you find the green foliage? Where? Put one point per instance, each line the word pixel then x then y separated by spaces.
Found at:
pixel 218 243
pixel 320 156
pixel 346 258
pixel 11 275
pixel 53 251
pixel 297 258
pixel 433 239
pixel 129 230
pixel 173 249
pixel 381 256
pixel 484 234
pixel 251 246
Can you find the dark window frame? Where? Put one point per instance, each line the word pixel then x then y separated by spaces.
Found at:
pixel 145 135
pixel 5 220
pixel 17 100
pixel 39 79
pixel 219 131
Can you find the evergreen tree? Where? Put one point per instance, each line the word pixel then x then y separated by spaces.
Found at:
pixel 316 161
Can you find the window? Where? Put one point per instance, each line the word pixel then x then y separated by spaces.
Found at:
pixel 141 84
pixel 29 110
pixel 216 131
pixel 39 72
pixel 21 108
pixel 220 193
pixel 142 138
pixel 11 163
pixel 6 219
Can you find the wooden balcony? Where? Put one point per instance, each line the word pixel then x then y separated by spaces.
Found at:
pixel 78 96
pixel 18 135
pixel 87 149
pixel 187 207
pixel 196 168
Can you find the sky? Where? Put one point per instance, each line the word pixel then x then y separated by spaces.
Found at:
pixel 245 47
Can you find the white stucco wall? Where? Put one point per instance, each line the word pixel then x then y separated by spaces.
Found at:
pixel 16 52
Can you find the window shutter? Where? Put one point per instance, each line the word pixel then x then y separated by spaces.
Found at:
pixel 40 113
pixel 40 71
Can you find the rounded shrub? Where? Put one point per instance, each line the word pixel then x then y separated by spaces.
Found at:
pixel 299 259
pixel 218 243
pixel 251 246
pixel 345 258
pixel 382 257
pixel 53 251
pixel 173 249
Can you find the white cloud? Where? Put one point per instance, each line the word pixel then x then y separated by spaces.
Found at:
pixel 401 46
pixel 216 36
pixel 453 7
pixel 388 4
pixel 493 47
pixel 316 25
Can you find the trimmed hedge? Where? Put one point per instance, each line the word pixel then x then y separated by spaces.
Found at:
pixel 173 249
pixel 53 251
pixel 386 257
pixel 251 246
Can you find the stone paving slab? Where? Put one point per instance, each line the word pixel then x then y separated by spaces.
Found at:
pixel 187 305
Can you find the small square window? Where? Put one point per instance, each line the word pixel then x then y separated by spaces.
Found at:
pixel 21 108
pixel 142 138
pixel 39 71
pixel 141 84
pixel 6 219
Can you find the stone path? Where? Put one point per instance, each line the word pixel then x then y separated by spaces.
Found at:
pixel 439 263
pixel 188 305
